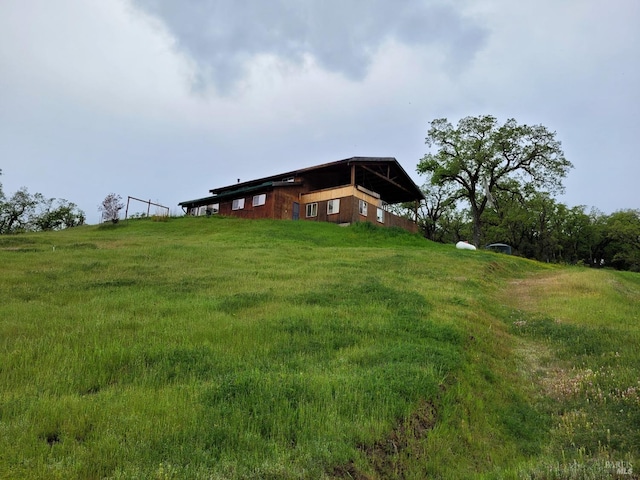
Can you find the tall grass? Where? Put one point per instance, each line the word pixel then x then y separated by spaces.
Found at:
pixel 224 348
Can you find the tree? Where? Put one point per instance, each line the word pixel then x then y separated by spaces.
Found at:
pixel 110 208
pixel 576 234
pixel 58 214
pixel 481 158
pixel 439 200
pixel 510 223
pixel 623 240
pixel 17 210
pixel 454 225
pixel 23 212
pixel 529 223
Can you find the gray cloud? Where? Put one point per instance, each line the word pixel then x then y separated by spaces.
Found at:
pixel 96 98
pixel 222 36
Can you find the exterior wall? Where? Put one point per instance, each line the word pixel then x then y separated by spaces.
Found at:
pixel 278 205
pixel 249 211
pixel 284 199
pixel 349 211
pixel 225 207
pixel 321 198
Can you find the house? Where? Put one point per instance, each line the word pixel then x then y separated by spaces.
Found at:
pixel 357 189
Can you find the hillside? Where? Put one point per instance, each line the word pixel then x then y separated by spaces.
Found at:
pixel 226 348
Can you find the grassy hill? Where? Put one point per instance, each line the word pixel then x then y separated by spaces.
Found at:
pixel 226 348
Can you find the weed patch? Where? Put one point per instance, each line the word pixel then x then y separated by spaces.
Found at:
pixel 589 384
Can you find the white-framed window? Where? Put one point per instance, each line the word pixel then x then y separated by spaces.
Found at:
pixel 312 209
pixel 259 199
pixel 333 206
pixel 213 209
pixel 362 207
pixel 237 204
pixel 380 215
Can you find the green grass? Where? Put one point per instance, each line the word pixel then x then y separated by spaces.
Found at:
pixel 586 329
pixel 224 348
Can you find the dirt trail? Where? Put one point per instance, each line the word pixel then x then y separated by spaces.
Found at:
pixel 385 456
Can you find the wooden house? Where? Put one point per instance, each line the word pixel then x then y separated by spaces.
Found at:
pixel 357 189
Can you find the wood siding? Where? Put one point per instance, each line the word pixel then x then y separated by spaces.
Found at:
pixel 278 204
pixel 283 202
pixel 349 211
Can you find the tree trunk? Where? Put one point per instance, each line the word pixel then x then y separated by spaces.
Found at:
pixel 476 227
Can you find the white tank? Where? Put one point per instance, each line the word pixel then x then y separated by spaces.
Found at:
pixel 465 246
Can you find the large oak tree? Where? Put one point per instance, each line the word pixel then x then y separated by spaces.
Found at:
pixel 480 158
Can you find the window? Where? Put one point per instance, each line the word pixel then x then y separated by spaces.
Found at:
pixel 380 215
pixel 333 206
pixel 213 209
pixel 259 199
pixel 312 209
pixel 362 208
pixel 238 204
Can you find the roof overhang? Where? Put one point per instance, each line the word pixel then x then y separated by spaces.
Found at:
pixel 240 190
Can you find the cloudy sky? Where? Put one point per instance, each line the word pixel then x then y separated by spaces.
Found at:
pixel 166 99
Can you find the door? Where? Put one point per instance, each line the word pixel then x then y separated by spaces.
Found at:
pixel 296 211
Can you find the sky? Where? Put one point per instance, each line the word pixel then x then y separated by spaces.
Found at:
pixel 164 100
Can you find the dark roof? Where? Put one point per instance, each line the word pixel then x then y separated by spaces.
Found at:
pixel 380 174
pixel 231 193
